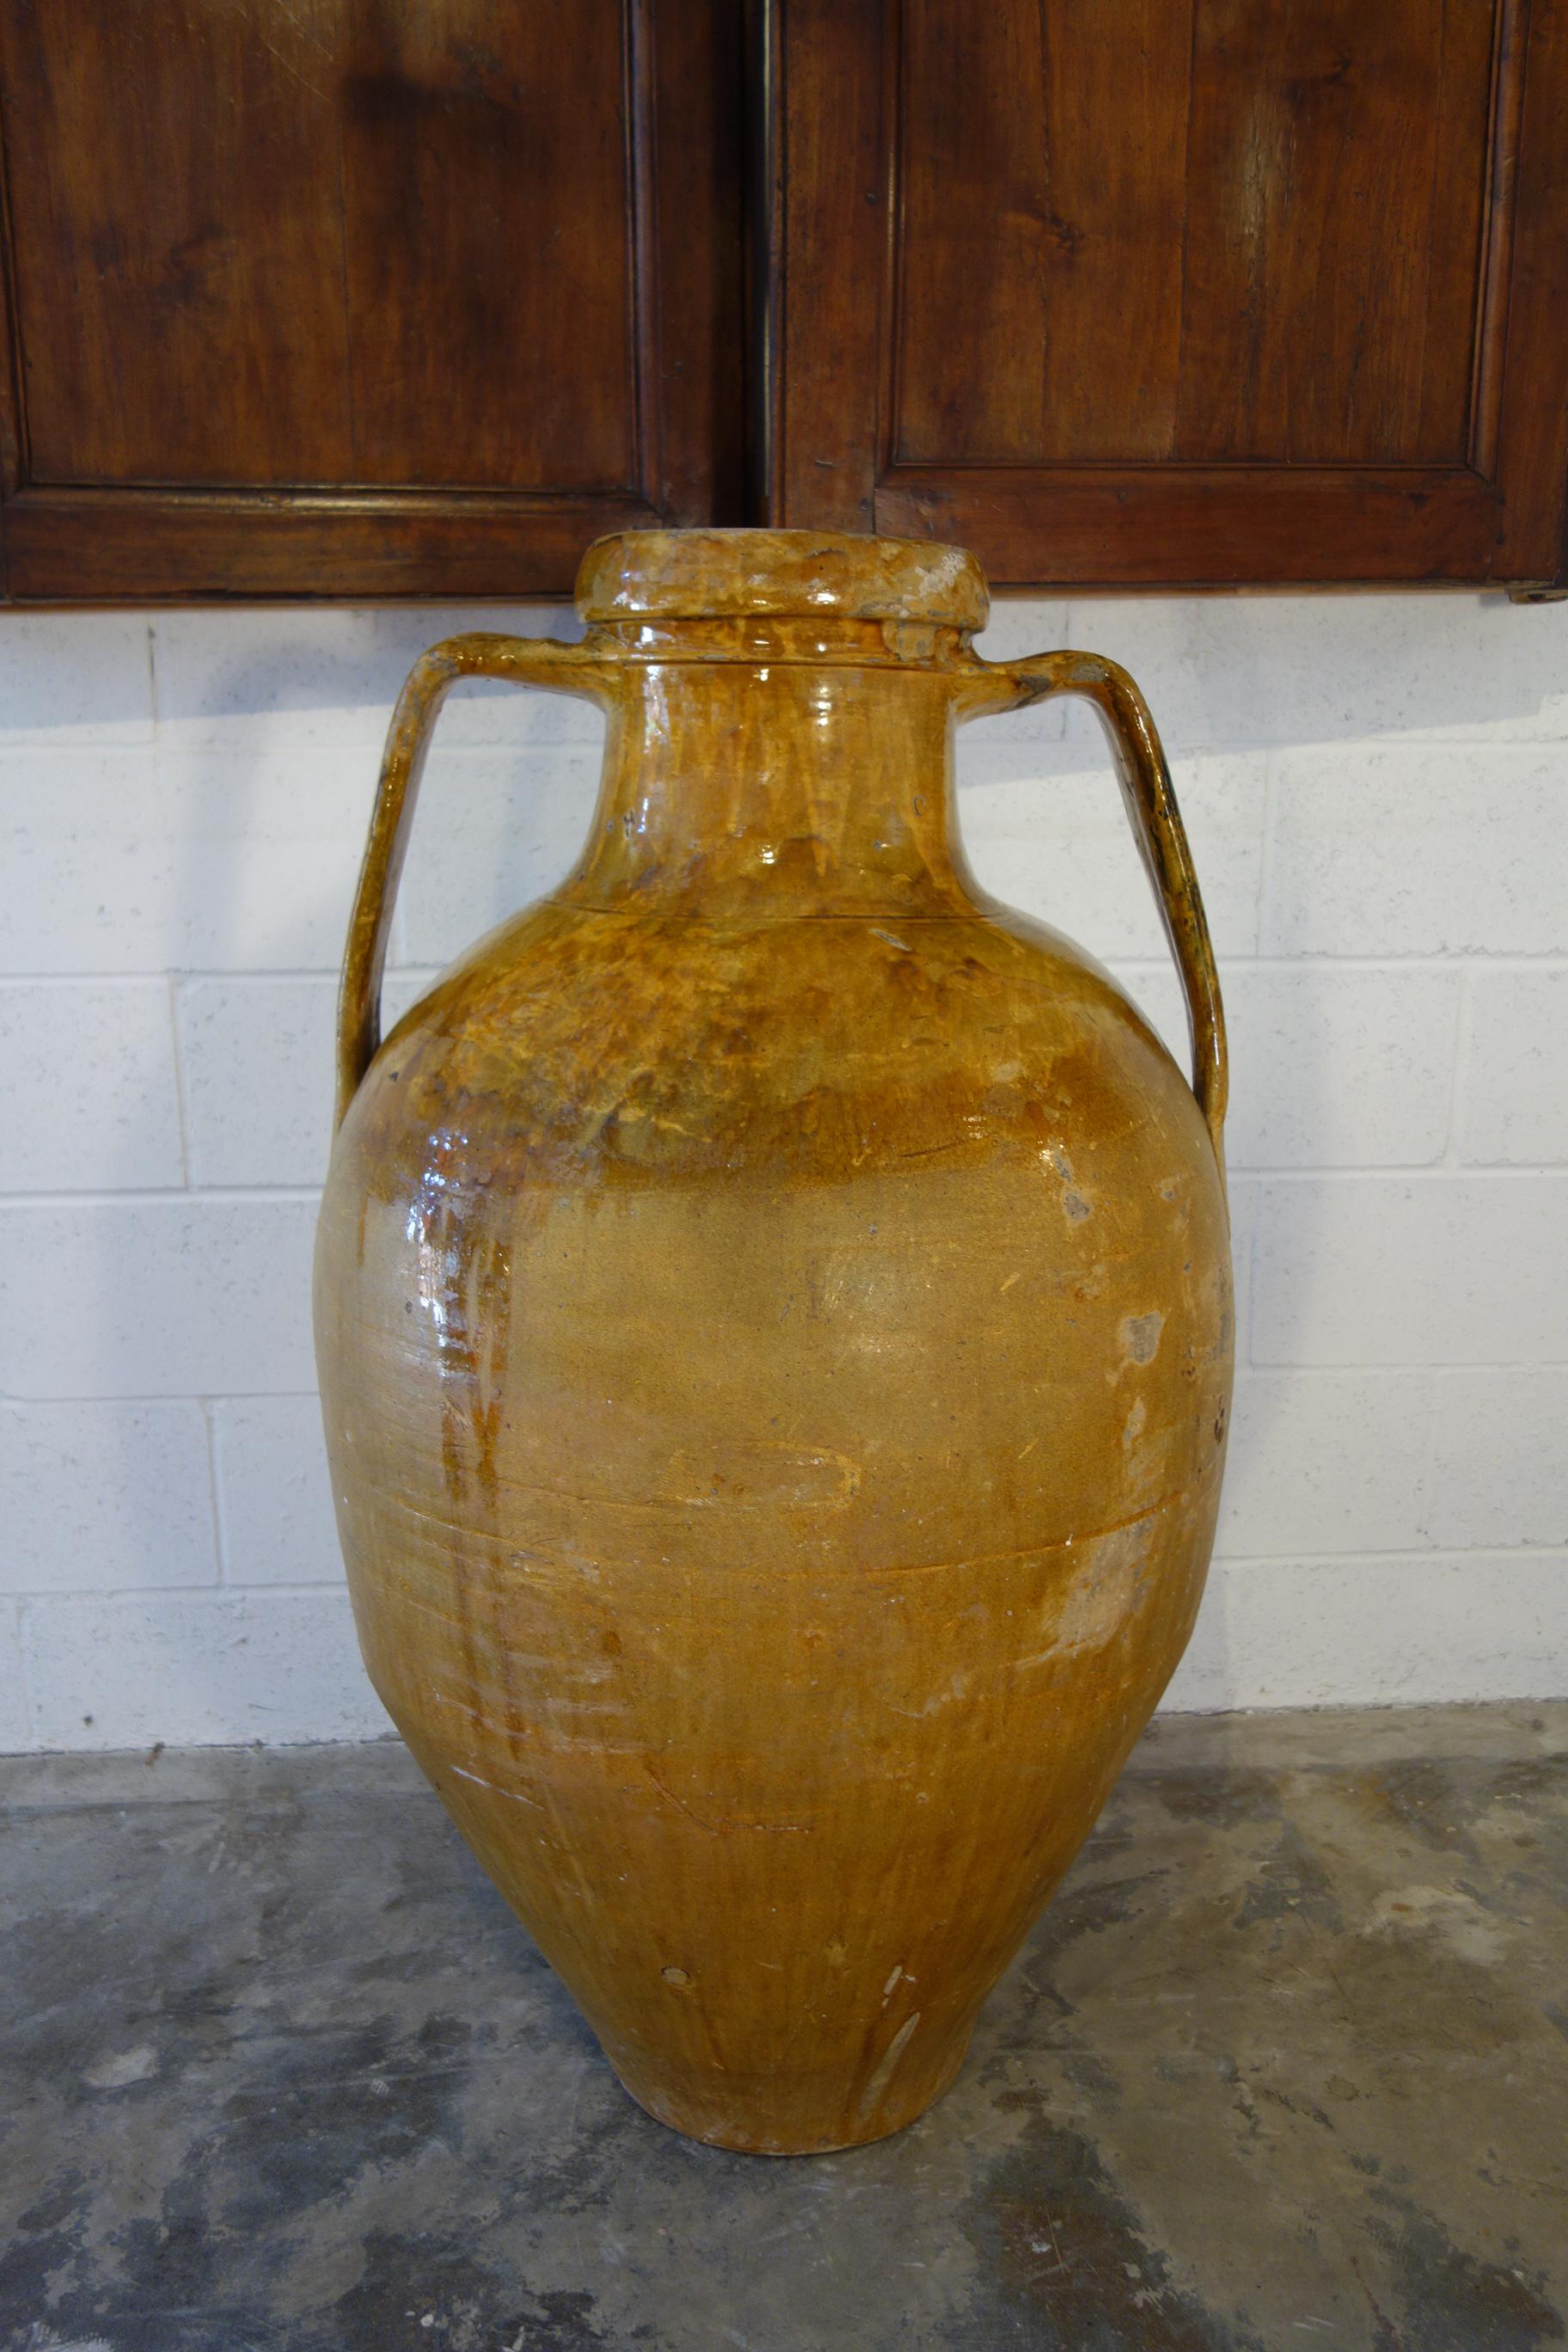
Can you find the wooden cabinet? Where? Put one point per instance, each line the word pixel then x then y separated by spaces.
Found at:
pixel 1179 292
pixel 350 298
pixel 347 298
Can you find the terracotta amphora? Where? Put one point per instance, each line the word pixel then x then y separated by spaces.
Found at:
pixel 773 1313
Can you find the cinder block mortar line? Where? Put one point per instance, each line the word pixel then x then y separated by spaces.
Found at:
pixel 1282 1365
pixel 1422 1555
pixel 11 1401
pixel 261 975
pixel 177 975
pixel 1426 1486
pixel 1499 959
pixel 1465 958
pixel 1389 960
pixel 1429 1172
pixel 156 1195
pixel 183 975
pixel 1267 1171
pixel 1428 1372
pixel 1265 852
pixel 1273 1371
pixel 34 1596
pixel 255 1395
pixel 275 1195
pixel 182 1108
pixel 127 1595
pixel 1374 735
pixel 1428 1555
pixel 220 1531
pixel 1310 1170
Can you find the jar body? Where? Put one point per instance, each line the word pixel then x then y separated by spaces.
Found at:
pixel 776 1374
pixel 773 1310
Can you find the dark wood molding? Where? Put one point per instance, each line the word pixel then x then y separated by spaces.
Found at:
pixel 161 546
pixel 991 336
pixel 427 370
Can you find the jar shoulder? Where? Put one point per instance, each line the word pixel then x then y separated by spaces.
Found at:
pixel 636 1042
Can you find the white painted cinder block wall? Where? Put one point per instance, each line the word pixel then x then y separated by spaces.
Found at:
pixel 1377 792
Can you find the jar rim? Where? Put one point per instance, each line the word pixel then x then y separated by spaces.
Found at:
pixel 701 574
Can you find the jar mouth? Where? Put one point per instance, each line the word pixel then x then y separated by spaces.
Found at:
pixel 703 574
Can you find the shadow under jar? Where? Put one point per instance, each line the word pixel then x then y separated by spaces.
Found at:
pixel 773 1313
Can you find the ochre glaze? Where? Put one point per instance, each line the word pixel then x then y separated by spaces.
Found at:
pixel 773 1315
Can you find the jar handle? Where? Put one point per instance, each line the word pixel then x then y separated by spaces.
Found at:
pixel 581 669
pixel 1151 802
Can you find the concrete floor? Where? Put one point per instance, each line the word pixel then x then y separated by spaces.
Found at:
pixel 1285 2064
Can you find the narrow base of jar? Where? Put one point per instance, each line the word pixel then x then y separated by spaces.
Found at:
pixel 753 2134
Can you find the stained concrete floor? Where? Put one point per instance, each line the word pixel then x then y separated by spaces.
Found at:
pixel 1285 2064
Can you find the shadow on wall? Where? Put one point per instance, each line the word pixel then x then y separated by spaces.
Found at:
pixel 1253 670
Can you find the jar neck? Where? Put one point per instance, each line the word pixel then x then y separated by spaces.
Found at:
pixel 769 791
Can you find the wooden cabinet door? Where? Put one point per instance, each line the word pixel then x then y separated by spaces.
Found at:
pixel 1179 292
pixel 352 298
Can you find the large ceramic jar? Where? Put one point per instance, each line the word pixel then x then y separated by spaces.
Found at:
pixel 773 1314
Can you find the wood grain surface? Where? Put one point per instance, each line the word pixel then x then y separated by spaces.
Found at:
pixel 1202 294
pixel 340 299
